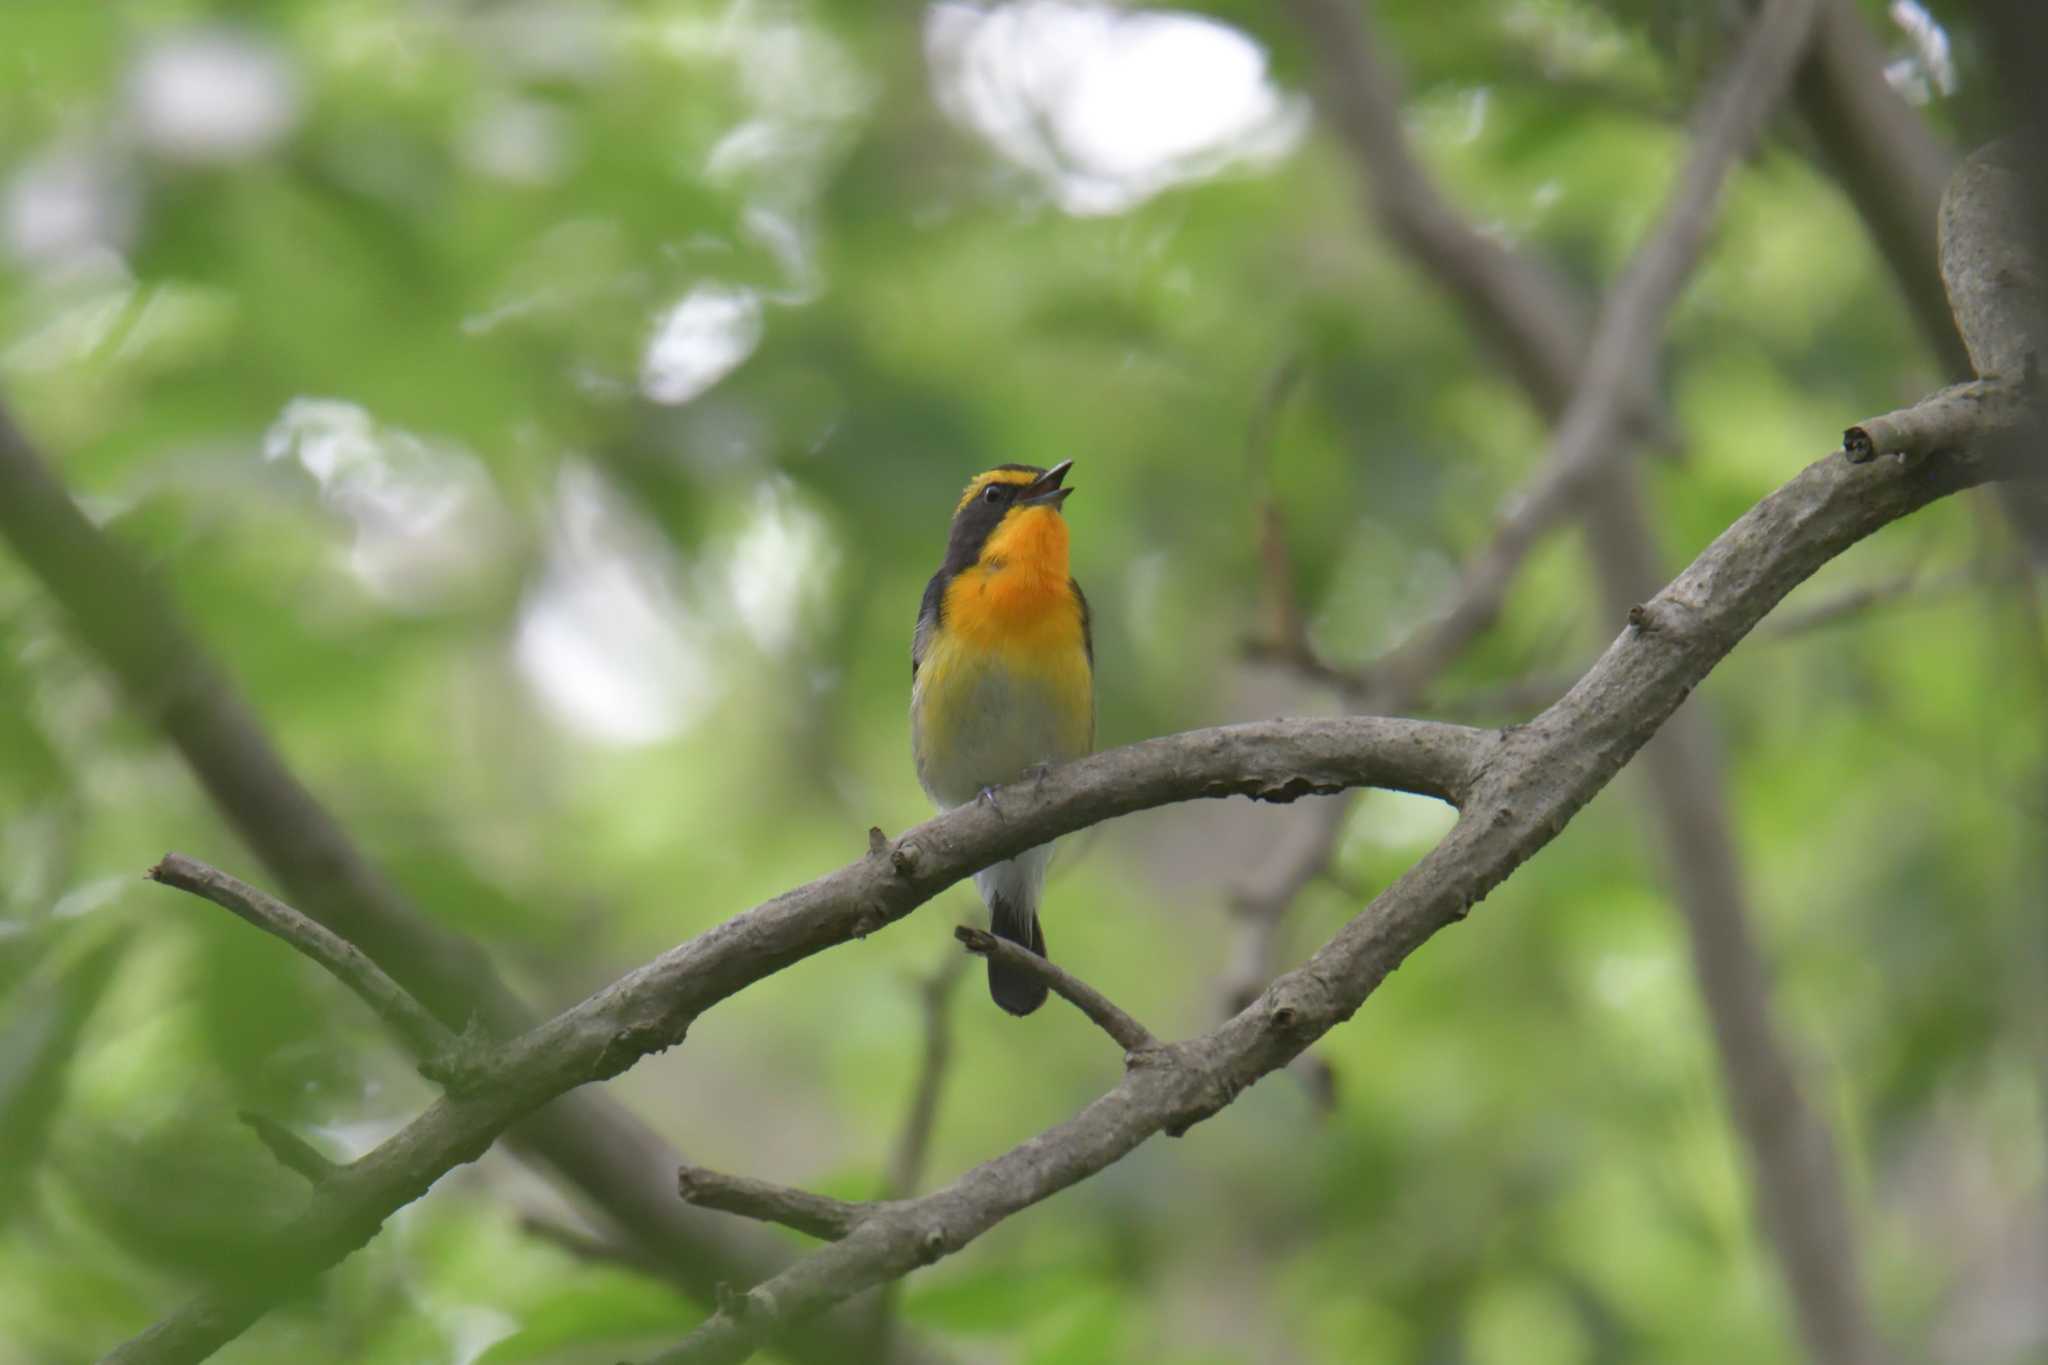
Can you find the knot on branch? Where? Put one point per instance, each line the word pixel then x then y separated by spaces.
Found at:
pixel 1297 1005
pixel 933 1244
pixel 465 1064
pixel 902 858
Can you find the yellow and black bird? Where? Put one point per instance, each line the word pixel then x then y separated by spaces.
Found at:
pixel 1002 671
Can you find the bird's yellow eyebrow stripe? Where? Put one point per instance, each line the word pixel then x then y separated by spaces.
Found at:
pixel 981 481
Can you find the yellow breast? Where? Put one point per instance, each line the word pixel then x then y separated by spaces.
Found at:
pixel 1005 684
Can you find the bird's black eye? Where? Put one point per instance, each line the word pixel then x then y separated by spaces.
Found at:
pixel 993 493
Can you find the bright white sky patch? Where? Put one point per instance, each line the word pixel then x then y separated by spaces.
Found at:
pixel 700 341
pixel 1108 106
pixel 427 518
pixel 606 640
pixel 212 95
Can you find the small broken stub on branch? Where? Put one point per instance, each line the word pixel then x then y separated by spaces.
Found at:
pixel 1977 418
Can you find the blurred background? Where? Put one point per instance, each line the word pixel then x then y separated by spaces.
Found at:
pixel 548 413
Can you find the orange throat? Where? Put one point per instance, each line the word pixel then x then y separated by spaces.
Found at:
pixel 1019 594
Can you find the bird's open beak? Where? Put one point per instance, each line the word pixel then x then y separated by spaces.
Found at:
pixel 1045 490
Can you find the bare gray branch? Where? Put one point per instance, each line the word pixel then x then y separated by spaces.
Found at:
pixel 1131 1035
pixel 651 1008
pixel 348 964
pixel 815 1215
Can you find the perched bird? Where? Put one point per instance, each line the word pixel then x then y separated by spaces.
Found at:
pixel 1002 672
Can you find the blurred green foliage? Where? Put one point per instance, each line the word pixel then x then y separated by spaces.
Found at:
pixel 549 412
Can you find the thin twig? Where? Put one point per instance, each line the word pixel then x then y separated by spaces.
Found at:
pixel 815 1215
pixel 1129 1034
pixel 292 1151
pixel 342 959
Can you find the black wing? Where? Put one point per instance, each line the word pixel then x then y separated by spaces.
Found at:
pixel 929 612
pixel 1087 632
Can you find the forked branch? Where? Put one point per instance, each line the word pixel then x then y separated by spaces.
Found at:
pixel 1129 1034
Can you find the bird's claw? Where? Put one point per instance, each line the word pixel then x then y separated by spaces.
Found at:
pixel 1034 774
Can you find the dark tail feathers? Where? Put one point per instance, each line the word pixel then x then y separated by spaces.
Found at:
pixel 1018 992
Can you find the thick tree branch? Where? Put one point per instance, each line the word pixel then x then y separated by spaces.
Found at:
pixel 814 1215
pixel 1534 780
pixel 426 1034
pixel 651 1008
pixel 1103 1012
